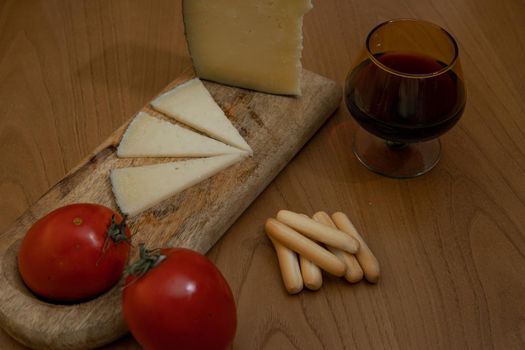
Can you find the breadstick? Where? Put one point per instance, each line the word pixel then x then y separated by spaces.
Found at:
pixel 354 272
pixel 312 275
pixel 304 246
pixel 289 266
pixel 318 232
pixel 366 258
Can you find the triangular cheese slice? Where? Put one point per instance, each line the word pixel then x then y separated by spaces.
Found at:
pixel 148 136
pixel 140 188
pixel 191 104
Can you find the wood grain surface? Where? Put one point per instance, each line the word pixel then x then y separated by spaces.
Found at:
pixel 451 243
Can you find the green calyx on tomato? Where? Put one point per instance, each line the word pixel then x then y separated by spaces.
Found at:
pixel 148 259
pixel 117 232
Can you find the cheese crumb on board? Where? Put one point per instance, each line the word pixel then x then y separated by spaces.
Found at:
pixel 255 44
pixel 147 136
pixel 190 103
pixel 139 188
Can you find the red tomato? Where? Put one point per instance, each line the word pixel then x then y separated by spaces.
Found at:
pixel 184 302
pixel 74 253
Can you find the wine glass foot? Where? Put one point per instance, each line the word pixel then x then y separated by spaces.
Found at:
pixel 398 160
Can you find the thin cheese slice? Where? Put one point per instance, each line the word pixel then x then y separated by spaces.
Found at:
pixel 140 188
pixel 191 104
pixel 256 44
pixel 148 136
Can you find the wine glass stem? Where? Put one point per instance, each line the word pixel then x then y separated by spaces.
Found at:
pixel 395 144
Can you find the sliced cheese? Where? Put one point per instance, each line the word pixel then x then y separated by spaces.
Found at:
pixel 140 188
pixel 147 136
pixel 255 44
pixel 191 104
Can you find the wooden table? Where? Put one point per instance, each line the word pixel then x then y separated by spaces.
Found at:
pixel 451 243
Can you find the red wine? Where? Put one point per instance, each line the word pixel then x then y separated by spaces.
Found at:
pixel 400 108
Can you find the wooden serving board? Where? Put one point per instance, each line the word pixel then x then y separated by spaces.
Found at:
pixel 275 126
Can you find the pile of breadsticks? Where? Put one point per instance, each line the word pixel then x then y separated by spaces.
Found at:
pixel 344 253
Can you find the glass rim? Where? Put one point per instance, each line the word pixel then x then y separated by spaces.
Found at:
pixel 448 67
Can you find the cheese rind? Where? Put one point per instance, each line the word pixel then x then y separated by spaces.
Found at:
pixel 255 44
pixel 147 136
pixel 140 188
pixel 190 103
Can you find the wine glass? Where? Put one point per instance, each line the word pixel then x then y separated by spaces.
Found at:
pixel 404 90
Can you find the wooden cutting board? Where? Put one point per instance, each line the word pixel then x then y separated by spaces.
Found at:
pixel 275 126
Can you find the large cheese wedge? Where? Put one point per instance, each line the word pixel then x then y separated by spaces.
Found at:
pixel 255 44
pixel 190 103
pixel 147 136
pixel 140 188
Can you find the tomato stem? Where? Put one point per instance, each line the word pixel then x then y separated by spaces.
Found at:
pixel 117 232
pixel 147 260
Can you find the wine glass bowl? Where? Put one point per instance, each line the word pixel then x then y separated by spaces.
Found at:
pixel 404 90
